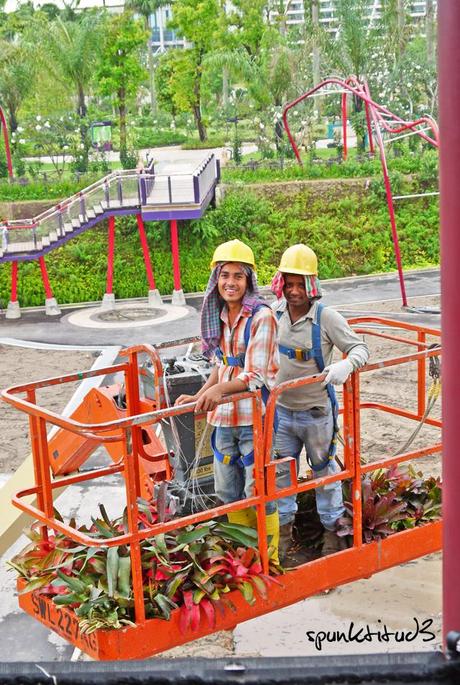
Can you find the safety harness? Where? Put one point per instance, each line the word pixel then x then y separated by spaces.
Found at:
pixel 316 353
pixel 239 360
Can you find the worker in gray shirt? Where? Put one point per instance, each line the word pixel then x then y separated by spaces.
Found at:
pixel 307 415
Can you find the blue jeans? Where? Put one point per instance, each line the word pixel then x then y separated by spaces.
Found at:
pixel 312 428
pixel 233 482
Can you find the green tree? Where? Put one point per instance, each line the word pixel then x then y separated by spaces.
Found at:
pixel 253 49
pixel 16 23
pixel 200 24
pixel 413 85
pixel 71 50
pixel 430 33
pixel 17 71
pixel 164 81
pixel 121 73
pixel 249 24
pixel 51 11
pixel 394 26
pixel 145 8
pixel 350 50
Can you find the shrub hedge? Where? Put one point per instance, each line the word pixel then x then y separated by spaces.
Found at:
pixel 351 235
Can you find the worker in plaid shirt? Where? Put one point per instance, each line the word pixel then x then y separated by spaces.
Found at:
pixel 239 333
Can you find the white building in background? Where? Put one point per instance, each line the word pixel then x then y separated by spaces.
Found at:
pixel 296 9
pixel 164 37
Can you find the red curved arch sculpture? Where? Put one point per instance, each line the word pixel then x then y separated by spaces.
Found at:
pixel 374 114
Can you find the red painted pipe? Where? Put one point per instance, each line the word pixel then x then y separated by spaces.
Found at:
pixel 110 256
pixel 45 279
pixel 449 108
pixel 175 254
pixel 7 143
pixel 359 92
pixel 369 129
pixel 344 125
pixel 14 282
pixel 375 110
pixel 391 209
pixel 146 253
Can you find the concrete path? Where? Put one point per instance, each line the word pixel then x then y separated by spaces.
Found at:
pixel 87 325
pixel 168 158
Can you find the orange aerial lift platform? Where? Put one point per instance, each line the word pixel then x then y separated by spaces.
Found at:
pixel 146 636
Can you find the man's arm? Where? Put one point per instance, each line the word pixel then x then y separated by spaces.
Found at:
pixel 212 380
pixel 262 359
pixel 211 396
pixel 259 359
pixel 347 341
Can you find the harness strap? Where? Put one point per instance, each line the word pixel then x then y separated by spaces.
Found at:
pixel 296 353
pixel 230 361
pixel 316 353
pixel 318 357
pixel 231 459
pixel 239 360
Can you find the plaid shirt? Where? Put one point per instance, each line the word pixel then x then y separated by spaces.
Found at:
pixel 260 367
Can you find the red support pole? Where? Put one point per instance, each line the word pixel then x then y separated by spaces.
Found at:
pixel 344 124
pixel 449 107
pixel 7 143
pixel 391 209
pixel 14 282
pixel 369 130
pixel 45 279
pixel 146 253
pixel 110 256
pixel 175 254
pixel 376 111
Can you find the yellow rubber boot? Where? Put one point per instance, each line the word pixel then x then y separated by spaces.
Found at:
pixel 273 533
pixel 247 517
pixel 244 517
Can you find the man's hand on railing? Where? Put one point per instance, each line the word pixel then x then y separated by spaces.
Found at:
pixel 185 399
pixel 338 373
pixel 209 399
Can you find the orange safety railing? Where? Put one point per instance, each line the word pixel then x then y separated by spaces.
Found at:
pixel 362 560
pixel 351 413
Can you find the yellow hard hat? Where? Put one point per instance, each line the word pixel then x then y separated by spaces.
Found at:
pixel 233 251
pixel 299 259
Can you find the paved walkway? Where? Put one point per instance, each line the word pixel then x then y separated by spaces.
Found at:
pixel 168 158
pixel 135 323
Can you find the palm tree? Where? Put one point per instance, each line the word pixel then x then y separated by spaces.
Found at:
pixel 17 70
pixel 145 8
pixel 71 52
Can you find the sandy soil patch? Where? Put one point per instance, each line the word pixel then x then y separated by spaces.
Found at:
pixel 19 365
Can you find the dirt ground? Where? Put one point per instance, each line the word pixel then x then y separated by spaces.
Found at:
pixel 382 434
pixel 20 365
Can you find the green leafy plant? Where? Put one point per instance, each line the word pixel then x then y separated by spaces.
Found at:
pixel 128 158
pixel 147 137
pixel 191 569
pixel 394 500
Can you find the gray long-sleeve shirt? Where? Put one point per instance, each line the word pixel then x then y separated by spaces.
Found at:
pixel 335 332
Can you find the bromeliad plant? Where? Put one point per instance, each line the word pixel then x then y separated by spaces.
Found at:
pixel 193 569
pixel 394 500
